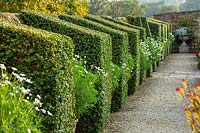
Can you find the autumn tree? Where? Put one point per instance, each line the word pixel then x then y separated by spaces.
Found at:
pixel 47 6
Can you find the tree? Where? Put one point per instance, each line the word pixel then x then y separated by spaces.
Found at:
pixel 47 6
pixel 169 8
pixel 159 7
pixel 136 9
pixel 99 7
pixel 190 5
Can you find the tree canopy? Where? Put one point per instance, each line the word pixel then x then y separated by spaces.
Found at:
pixel 78 7
pixel 190 5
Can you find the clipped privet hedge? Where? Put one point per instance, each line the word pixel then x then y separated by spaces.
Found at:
pixel 140 22
pixel 155 29
pixel 142 30
pixel 119 55
pixel 134 48
pixel 47 58
pixel 97 48
pixel 164 27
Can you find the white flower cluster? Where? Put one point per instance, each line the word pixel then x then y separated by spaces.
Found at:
pixel 182 31
pixel 98 69
pixel 27 92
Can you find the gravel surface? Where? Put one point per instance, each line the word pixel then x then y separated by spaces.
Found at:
pixel 155 107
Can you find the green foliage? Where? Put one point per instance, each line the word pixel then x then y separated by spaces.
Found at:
pixel 17 114
pixel 159 7
pixel 165 29
pixel 78 7
pixel 145 62
pixel 96 46
pixel 119 54
pixel 189 22
pixel 154 49
pixel 116 75
pixel 46 58
pixel 134 48
pixel 99 7
pixel 136 9
pixel 131 65
pixel 86 93
pixel 140 22
pixel 142 30
pixel 119 8
pixel 155 29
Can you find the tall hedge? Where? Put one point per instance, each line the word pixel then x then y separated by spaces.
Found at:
pixel 140 22
pixel 142 30
pixel 134 48
pixel 97 48
pixel 165 27
pixel 46 58
pixel 143 62
pixel 155 29
pixel 119 55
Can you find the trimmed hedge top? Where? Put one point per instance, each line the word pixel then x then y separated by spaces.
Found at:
pixel 134 48
pixel 141 22
pixel 119 56
pixel 81 36
pixel 96 46
pixel 141 29
pixel 47 58
pixel 119 38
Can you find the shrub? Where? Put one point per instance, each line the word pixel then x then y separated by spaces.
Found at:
pixel 142 30
pixel 155 29
pixel 145 62
pixel 46 58
pixel 85 91
pixel 134 48
pixel 140 22
pixel 96 46
pixel 17 112
pixel 119 56
pixel 164 27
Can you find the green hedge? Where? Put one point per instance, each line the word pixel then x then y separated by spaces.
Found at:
pixel 97 48
pixel 143 68
pixel 155 29
pixel 140 22
pixel 119 55
pixel 134 48
pixel 142 30
pixel 47 58
pixel 143 61
pixel 164 27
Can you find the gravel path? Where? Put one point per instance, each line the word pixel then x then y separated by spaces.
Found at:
pixel 155 107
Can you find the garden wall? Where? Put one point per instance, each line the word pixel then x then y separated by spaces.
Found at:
pixel 172 17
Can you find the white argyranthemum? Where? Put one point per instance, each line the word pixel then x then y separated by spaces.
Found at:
pixel 37 102
pixel 43 111
pixel 29 130
pixel 49 113
pixel 2 66
pixel 14 69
